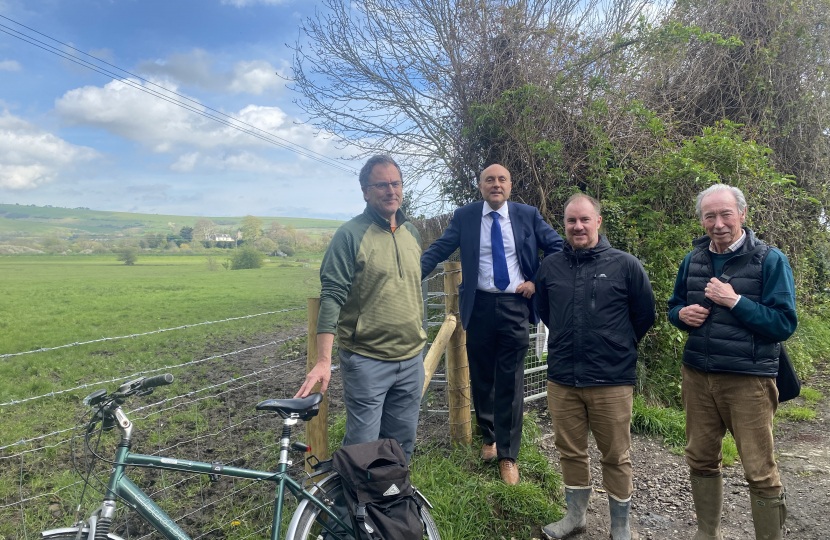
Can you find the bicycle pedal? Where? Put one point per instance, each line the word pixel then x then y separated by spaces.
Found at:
pixel 216 467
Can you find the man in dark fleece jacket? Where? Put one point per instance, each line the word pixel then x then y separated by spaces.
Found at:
pixel 731 357
pixel 598 304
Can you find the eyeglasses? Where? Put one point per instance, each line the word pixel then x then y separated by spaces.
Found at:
pixel 381 186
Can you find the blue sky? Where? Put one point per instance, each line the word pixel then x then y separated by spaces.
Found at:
pixel 71 137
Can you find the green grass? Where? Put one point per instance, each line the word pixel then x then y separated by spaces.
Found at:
pixel 810 395
pixel 796 413
pixel 811 342
pixel 51 300
pixel 670 424
pixel 468 495
pixel 40 221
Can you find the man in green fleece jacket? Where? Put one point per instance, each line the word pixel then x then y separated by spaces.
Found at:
pixel 371 298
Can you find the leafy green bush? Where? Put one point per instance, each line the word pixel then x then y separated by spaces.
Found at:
pixel 648 192
pixel 246 258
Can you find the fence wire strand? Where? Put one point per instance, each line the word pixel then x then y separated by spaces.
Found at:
pixel 148 371
pixel 159 331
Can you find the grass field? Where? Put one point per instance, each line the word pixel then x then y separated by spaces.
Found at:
pixel 52 300
pixel 49 301
pixel 27 221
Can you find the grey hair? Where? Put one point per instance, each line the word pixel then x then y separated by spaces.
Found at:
pixel 737 193
pixel 374 161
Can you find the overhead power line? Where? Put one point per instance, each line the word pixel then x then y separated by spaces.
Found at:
pixel 221 118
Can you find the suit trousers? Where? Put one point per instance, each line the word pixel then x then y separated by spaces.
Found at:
pixel 743 404
pixel 605 411
pixel 497 340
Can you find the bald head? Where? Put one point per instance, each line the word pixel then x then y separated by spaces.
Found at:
pixel 495 185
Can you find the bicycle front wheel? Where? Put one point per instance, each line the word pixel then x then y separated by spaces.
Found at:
pixel 304 525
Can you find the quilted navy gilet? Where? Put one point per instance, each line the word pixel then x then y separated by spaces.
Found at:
pixel 722 344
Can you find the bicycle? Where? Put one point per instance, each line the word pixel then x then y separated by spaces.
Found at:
pixel 313 518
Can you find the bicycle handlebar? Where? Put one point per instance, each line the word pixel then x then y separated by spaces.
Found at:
pixel 158 380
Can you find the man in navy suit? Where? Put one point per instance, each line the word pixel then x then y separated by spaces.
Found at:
pixel 499 244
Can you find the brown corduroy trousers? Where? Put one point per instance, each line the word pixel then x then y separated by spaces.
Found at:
pixel 743 404
pixel 605 411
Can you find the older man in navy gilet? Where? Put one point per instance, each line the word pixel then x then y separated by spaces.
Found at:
pixel 730 361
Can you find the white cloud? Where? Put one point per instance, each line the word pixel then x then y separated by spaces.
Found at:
pixel 237 161
pixel 196 69
pixel 30 156
pixel 10 65
pixel 245 3
pixel 166 128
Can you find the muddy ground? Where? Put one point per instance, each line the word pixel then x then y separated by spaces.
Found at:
pixel 662 505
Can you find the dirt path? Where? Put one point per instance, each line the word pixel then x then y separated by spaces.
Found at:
pixel 662 505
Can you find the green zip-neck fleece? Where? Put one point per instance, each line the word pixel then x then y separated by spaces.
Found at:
pixel 371 288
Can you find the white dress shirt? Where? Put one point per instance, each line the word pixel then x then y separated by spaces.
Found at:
pixel 485 261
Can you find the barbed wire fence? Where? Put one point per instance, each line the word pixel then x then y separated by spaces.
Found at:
pixel 207 415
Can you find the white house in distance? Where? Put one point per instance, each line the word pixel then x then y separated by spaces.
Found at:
pixel 222 237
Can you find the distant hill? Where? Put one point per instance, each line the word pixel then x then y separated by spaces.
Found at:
pixel 18 221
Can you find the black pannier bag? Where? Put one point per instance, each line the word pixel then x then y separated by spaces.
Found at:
pixel 789 386
pixel 378 493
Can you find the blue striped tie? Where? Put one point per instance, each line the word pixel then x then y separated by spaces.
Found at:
pixel 500 275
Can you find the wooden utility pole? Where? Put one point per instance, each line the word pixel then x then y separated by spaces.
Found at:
pixel 458 371
pixel 316 429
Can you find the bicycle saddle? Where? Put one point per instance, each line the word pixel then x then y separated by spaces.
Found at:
pixel 307 407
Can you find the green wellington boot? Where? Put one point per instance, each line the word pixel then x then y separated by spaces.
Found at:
pixel 707 493
pixel 574 521
pixel 769 515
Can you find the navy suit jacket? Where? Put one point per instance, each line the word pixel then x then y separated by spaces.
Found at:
pixel 530 234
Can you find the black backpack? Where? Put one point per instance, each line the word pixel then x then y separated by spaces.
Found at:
pixel 376 484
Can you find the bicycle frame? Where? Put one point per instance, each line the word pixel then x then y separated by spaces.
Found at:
pixel 120 485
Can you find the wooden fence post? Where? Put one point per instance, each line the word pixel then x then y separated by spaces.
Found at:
pixel 316 429
pixel 436 351
pixel 458 371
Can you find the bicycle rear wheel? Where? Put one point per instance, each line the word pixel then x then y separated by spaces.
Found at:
pixel 304 524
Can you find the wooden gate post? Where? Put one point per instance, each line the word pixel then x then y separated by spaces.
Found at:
pixel 458 371
pixel 316 429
